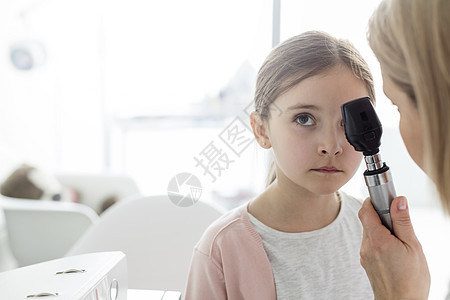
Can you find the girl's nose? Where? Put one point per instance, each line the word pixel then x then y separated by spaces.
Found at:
pixel 331 144
pixel 332 152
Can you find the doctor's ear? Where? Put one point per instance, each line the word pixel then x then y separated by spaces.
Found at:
pixel 260 130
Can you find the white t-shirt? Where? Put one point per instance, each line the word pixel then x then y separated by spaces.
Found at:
pixel 320 264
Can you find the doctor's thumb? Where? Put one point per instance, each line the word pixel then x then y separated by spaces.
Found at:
pixel 401 220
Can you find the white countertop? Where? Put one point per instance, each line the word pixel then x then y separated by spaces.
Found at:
pixel 135 294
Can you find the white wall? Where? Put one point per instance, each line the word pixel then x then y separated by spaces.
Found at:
pixel 51 115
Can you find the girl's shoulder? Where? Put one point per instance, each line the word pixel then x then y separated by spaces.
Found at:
pixel 233 225
pixel 351 202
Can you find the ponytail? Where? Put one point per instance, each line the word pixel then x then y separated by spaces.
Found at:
pixel 271 175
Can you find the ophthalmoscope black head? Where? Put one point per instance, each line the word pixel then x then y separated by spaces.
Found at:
pixel 362 127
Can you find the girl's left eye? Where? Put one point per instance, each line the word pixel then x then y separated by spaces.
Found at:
pixel 305 120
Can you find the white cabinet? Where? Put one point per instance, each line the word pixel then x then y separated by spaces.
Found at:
pixel 92 276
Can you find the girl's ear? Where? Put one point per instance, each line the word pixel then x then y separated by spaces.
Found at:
pixel 259 130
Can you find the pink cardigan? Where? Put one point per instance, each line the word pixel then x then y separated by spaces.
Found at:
pixel 229 262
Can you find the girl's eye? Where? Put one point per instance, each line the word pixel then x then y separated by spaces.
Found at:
pixel 305 120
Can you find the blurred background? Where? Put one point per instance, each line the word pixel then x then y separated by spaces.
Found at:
pixel 145 89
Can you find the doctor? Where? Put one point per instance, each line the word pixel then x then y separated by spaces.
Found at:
pixel 411 39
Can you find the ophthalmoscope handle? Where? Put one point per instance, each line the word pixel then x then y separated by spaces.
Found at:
pixel 382 192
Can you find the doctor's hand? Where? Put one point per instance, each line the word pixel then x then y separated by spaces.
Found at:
pixel 395 265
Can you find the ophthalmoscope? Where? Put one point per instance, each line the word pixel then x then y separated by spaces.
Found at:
pixel 363 131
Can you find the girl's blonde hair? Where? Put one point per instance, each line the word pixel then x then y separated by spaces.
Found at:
pixel 411 39
pixel 301 57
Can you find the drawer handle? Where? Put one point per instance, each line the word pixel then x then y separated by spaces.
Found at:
pixel 70 271
pixel 44 294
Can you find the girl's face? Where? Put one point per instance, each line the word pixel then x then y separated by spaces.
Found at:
pixel 410 122
pixel 308 137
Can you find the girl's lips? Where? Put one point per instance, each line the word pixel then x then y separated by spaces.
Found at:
pixel 327 170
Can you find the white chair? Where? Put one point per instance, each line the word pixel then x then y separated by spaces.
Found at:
pixel 157 236
pixel 94 188
pixel 7 260
pixel 43 230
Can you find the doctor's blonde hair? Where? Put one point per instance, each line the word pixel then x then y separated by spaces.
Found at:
pixel 301 57
pixel 411 40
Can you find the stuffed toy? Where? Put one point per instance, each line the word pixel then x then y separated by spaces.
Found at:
pixel 28 182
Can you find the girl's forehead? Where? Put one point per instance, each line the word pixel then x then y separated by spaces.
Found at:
pixel 323 92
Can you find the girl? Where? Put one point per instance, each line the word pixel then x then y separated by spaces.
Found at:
pixel 300 238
